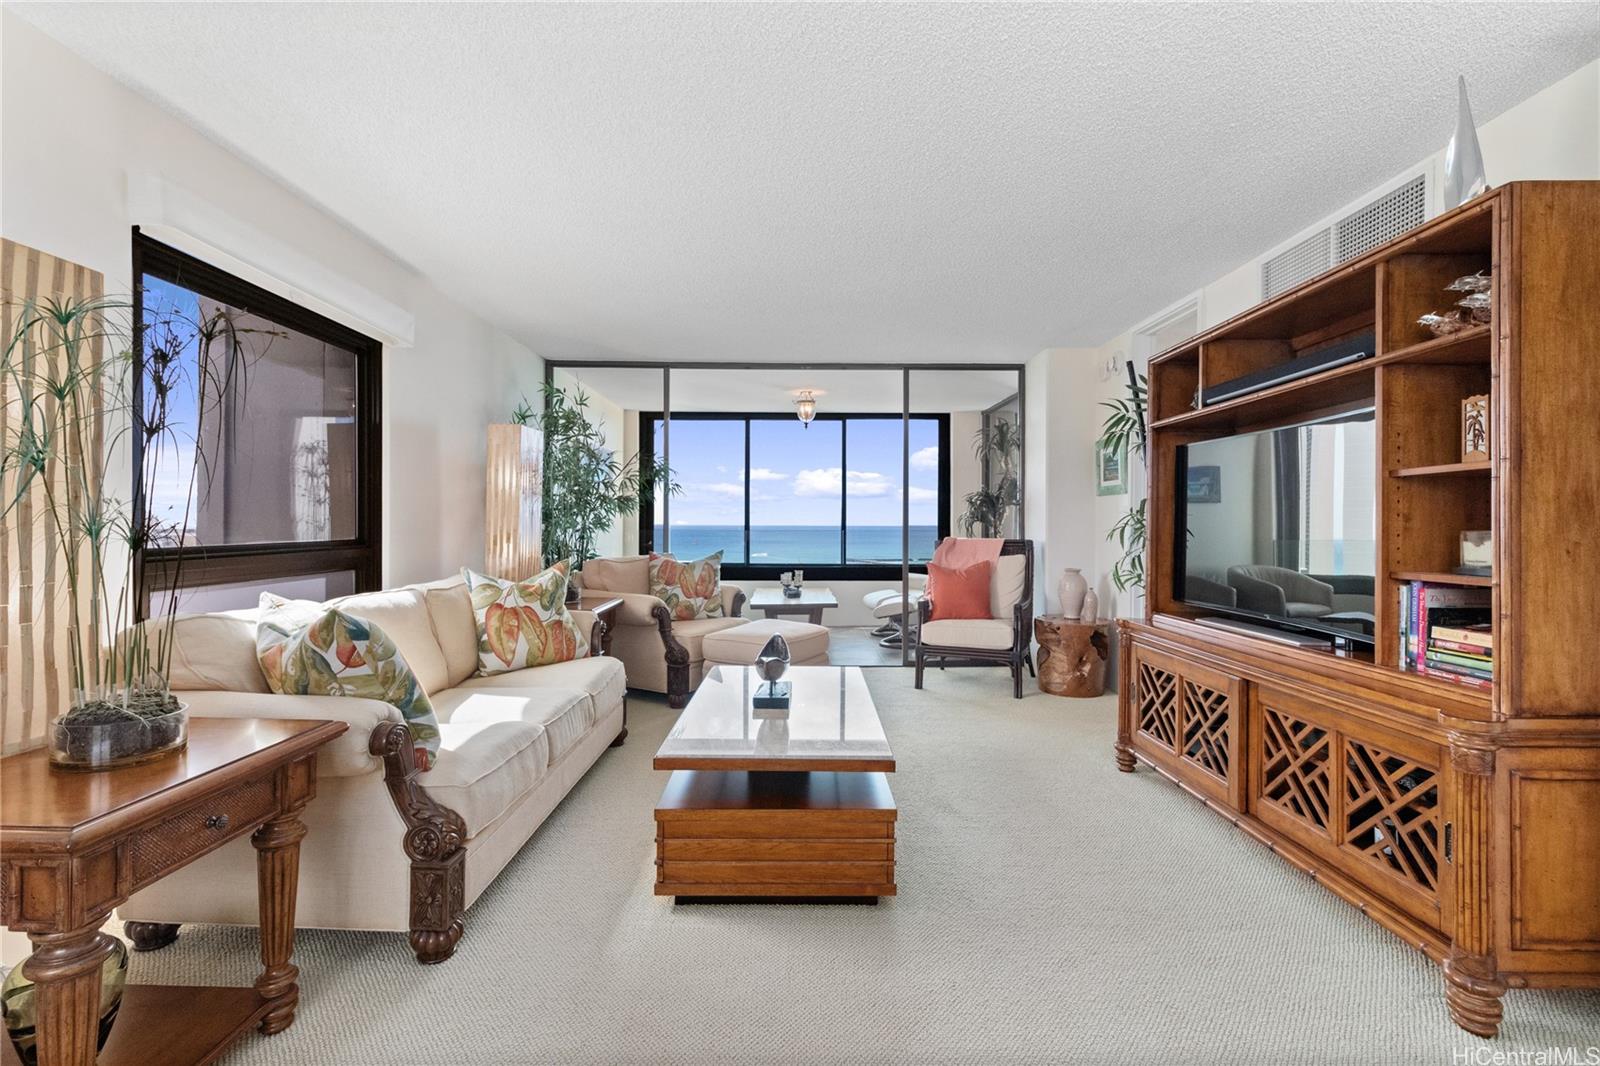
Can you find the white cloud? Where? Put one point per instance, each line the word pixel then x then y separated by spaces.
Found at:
pixel 825 481
pixel 719 488
pixel 761 473
pixel 925 458
pixel 922 495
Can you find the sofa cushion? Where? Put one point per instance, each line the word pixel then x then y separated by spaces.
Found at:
pixel 808 644
pixel 601 677
pixel 524 623
pixel 566 714
pixel 967 633
pixel 692 635
pixel 403 615
pixel 690 589
pixel 1005 589
pixel 627 573
pixel 486 766
pixel 340 654
pixel 215 652
pixel 454 627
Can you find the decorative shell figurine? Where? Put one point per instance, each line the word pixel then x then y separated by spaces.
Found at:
pixel 774 658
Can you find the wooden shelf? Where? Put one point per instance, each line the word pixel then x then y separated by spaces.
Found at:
pixel 1467 347
pixel 1477 466
pixel 1440 577
pixel 173 1024
pixel 1343 385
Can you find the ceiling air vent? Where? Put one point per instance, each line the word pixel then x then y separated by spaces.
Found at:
pixel 1293 265
pixel 1382 220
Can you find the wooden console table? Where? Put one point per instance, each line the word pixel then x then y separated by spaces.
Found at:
pixel 73 846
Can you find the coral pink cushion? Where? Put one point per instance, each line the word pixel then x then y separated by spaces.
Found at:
pixel 962 593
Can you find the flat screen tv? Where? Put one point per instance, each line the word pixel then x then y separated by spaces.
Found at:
pixel 1279 526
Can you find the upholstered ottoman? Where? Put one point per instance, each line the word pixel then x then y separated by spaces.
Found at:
pixel 739 646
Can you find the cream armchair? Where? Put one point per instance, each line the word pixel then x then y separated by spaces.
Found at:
pixel 660 653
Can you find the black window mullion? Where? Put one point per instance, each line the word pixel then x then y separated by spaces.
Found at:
pixel 747 491
pixel 844 490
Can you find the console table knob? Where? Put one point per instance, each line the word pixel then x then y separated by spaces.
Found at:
pixel 217 821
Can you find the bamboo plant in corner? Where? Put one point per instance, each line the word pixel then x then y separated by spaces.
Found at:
pixel 73 417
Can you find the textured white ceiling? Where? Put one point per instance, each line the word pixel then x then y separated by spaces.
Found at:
pixel 826 182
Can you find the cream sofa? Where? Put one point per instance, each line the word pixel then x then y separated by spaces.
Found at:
pixel 390 848
pixel 660 653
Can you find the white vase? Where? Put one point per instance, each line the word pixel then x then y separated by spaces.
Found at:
pixel 1091 607
pixel 1071 590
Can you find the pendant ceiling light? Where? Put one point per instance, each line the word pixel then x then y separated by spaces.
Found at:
pixel 805 408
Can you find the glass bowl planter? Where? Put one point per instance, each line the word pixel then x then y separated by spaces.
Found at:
pixel 22 1012
pixel 102 736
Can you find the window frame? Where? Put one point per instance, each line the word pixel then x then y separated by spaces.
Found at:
pixel 219 564
pixel 819 571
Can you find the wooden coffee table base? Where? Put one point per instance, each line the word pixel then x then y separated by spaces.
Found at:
pixel 771 836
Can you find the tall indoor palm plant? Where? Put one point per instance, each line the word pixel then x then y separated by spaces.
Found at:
pixel 587 488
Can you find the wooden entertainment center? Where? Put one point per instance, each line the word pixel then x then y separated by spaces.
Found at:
pixel 1467 822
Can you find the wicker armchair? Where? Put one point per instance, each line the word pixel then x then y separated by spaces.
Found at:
pixel 1005 638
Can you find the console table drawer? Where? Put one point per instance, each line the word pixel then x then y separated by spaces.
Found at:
pixel 173 842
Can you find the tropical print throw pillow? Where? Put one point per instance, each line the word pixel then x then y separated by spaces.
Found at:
pixel 689 589
pixel 524 623
pixel 331 653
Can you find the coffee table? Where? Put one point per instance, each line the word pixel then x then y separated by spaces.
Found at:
pixel 811 602
pixel 795 809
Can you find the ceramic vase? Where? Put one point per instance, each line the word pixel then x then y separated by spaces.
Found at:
pixel 1071 590
pixel 1090 611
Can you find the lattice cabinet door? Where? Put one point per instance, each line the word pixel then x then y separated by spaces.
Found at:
pixel 1367 800
pixel 1187 717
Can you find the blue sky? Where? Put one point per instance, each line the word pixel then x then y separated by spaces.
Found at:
pixel 795 474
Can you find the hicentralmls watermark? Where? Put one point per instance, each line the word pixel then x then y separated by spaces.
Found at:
pixel 1546 1056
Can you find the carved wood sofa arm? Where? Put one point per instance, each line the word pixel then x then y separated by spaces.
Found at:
pixel 677 658
pixel 436 843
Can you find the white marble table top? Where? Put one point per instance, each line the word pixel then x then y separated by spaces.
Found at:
pixel 832 725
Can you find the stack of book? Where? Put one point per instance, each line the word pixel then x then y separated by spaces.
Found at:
pixel 1447 631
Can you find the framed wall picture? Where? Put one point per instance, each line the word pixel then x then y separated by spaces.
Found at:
pixel 1111 470
pixel 1205 484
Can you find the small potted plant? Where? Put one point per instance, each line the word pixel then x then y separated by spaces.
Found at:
pixel 71 411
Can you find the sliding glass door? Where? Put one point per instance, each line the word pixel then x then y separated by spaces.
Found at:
pixel 827 470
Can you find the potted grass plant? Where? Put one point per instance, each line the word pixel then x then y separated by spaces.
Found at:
pixel 74 417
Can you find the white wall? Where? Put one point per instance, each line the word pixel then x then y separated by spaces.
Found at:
pixel 1554 134
pixel 72 139
pixel 1059 481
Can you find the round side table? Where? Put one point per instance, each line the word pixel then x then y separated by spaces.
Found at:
pixel 1072 655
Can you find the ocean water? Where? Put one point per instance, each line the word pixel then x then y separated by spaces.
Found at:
pixel 799 545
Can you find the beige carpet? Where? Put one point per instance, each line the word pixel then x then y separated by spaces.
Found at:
pixel 1052 910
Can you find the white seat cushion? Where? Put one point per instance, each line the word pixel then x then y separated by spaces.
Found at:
pixel 808 644
pixel 967 633
pixel 892 605
pixel 566 714
pixel 600 676
pixel 693 634
pixel 486 766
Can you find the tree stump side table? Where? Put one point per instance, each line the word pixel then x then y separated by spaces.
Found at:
pixel 1072 655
